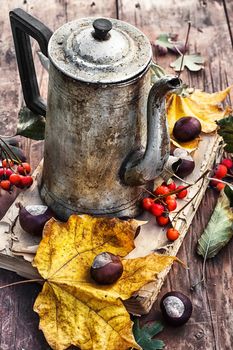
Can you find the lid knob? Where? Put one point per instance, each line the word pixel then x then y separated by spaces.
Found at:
pixel 102 26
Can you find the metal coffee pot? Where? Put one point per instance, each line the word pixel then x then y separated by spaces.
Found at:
pixel 106 131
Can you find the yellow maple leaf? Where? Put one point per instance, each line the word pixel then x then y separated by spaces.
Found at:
pixel 202 105
pixel 73 309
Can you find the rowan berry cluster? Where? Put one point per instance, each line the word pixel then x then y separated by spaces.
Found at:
pixel 164 200
pixel 220 172
pixel 16 174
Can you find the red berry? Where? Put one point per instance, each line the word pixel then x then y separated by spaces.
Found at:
pixel 161 190
pixel 5 185
pixel 171 204
pixel 2 172
pixel 157 209
pixel 227 162
pixel 172 186
pixel 172 234
pixel 220 186
pixel 147 203
pixel 24 169
pixel 26 181
pixel 183 193
pixel 162 220
pixel 8 173
pixel 220 171
pixel 15 179
pixel 6 163
pixel 170 197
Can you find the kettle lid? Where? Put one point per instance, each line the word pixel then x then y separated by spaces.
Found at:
pixel 99 50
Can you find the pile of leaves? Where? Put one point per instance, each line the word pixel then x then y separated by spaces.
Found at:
pixel 73 309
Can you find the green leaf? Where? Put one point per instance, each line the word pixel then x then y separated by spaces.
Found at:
pixel 193 62
pixel 229 193
pixel 218 231
pixel 144 335
pixel 164 40
pixel 30 125
pixel 226 131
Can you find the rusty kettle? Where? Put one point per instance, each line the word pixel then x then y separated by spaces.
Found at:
pixel 106 132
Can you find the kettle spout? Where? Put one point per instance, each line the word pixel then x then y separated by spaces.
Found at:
pixel 147 166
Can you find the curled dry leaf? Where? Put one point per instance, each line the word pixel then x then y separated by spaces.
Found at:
pixel 202 105
pixel 219 230
pixel 73 309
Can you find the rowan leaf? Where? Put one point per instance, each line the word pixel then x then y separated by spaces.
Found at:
pixel 144 336
pixel 73 309
pixel 202 105
pixel 193 62
pixel 30 125
pixel 226 131
pixel 218 231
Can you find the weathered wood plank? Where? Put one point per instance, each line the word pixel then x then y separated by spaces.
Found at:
pixel 209 328
pixel 18 323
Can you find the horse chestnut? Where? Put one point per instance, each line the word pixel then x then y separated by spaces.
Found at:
pixel 176 308
pixel 32 218
pixel 106 268
pixel 186 129
pixel 185 168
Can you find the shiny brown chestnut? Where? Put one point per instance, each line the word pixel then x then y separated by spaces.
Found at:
pixel 32 218
pixel 176 308
pixel 185 168
pixel 186 129
pixel 106 268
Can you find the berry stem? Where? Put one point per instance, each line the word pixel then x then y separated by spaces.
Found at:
pixel 6 154
pixel 16 160
pixel 186 204
pixel 222 181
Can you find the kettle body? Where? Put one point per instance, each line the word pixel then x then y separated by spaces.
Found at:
pixel 90 129
pixel 106 133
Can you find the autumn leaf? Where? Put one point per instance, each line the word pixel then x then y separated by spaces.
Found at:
pixel 73 309
pixel 193 62
pixel 226 131
pixel 228 190
pixel 30 125
pixel 144 336
pixel 218 231
pixel 202 105
pixel 164 40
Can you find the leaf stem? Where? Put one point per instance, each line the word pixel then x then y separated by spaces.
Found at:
pixel 185 45
pixel 203 279
pixel 22 282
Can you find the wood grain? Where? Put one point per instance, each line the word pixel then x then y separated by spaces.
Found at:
pixel 211 325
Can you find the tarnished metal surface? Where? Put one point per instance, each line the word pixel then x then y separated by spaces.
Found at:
pixel 75 51
pixel 147 165
pixel 90 131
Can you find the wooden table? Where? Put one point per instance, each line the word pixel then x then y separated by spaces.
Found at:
pixel 211 325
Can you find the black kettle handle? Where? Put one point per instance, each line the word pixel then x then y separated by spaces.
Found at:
pixel 23 26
